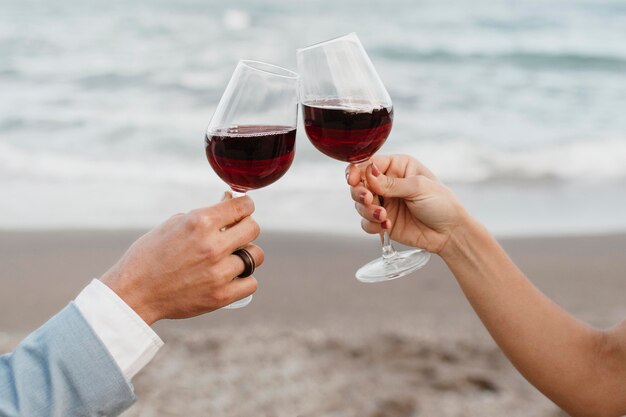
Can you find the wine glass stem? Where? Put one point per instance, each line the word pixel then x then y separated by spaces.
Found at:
pixel 388 249
pixel 243 302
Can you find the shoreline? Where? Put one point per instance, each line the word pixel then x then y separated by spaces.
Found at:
pixel 506 208
pixel 340 233
pixel 36 279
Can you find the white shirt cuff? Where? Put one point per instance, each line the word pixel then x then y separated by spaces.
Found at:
pixel 128 338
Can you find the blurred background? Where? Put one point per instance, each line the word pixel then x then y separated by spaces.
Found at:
pixel 518 106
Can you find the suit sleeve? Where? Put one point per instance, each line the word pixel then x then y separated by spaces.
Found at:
pixel 62 370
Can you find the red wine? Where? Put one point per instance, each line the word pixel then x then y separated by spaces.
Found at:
pixel 251 157
pixel 345 132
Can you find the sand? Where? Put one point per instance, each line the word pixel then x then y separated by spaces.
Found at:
pixel 315 342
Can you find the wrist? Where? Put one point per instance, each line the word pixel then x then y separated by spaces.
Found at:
pixel 131 295
pixel 467 234
pixel 143 310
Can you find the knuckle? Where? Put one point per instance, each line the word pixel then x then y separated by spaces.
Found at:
pixel 176 217
pixel 253 286
pixel 174 221
pixel 260 256
pixel 249 204
pixel 238 208
pixel 211 251
pixel 368 226
pixel 255 229
pixel 197 220
pixel 243 206
pixel 219 298
pixel 362 210
pixel 354 193
pixel 192 219
pixel 418 181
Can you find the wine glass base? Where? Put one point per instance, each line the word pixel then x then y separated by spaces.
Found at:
pixel 239 304
pixel 403 263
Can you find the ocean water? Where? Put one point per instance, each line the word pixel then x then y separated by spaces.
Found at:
pixel 520 107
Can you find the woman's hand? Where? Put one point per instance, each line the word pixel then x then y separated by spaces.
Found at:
pixel 417 210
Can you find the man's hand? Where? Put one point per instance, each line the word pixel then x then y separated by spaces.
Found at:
pixel 185 267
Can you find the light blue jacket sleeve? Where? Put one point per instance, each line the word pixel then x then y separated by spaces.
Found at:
pixel 62 370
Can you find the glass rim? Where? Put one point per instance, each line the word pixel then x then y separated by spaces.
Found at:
pixel 268 68
pixel 335 39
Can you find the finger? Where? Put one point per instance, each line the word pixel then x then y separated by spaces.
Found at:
pixel 402 166
pixel 388 186
pixel 371 227
pixel 240 288
pixel 383 162
pixel 227 196
pixel 257 254
pixel 353 175
pixel 239 234
pixel 232 266
pixel 362 195
pixel 417 168
pixel 230 211
pixel 372 213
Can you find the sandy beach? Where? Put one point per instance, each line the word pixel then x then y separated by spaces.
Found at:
pixel 315 342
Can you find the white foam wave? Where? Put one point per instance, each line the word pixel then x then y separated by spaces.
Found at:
pixel 53 166
pixel 576 161
pixel 457 162
pixel 312 196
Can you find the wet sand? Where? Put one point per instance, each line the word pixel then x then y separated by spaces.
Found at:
pixel 315 342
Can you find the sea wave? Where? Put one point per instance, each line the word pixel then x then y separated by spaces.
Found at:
pixel 31 165
pixel 485 93
pixel 563 61
pixel 574 161
pixel 457 162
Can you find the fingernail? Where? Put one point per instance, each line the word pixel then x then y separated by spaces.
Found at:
pixel 347 175
pixel 362 197
pixel 377 214
pixel 375 170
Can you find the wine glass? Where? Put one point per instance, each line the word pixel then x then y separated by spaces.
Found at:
pixel 250 141
pixel 348 115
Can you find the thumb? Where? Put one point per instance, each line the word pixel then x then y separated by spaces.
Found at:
pixel 386 186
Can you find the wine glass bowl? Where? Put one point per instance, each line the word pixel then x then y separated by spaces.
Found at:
pixel 251 156
pixel 347 111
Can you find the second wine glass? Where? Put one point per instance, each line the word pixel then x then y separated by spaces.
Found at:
pixel 348 116
pixel 251 139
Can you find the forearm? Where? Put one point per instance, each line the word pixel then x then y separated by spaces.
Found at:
pixel 563 357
